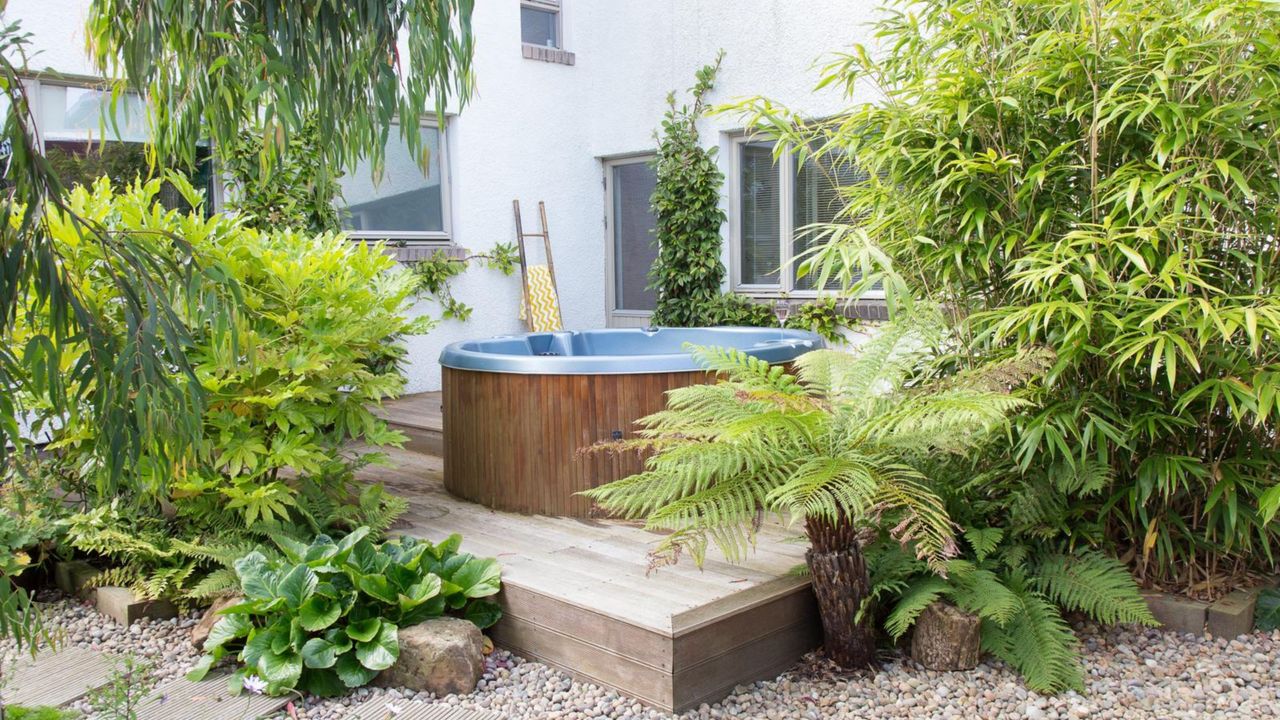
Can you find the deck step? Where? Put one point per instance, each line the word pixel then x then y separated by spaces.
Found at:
pixel 419 417
pixel 377 709
pixel 56 678
pixel 208 699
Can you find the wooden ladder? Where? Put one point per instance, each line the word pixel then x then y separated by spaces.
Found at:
pixel 545 234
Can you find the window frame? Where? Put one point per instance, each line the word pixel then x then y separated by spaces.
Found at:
pixel 555 7
pixel 422 238
pixel 785 287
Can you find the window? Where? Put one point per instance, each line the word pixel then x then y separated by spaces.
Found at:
pixel 542 32
pixel 629 183
pixel 404 201
pixel 85 134
pixel 540 23
pixel 772 201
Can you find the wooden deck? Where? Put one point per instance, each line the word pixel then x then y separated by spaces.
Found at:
pixel 576 596
pixel 420 418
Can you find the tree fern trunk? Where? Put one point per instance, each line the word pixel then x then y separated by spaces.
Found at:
pixel 841 582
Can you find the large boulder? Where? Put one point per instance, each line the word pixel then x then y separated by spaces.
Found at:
pixel 444 656
pixel 200 632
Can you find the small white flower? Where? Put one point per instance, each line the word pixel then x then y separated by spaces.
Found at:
pixel 393 710
pixel 255 684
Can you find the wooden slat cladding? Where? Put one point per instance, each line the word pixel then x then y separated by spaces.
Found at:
pixel 515 442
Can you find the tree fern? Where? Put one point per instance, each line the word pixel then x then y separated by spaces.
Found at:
pixel 836 446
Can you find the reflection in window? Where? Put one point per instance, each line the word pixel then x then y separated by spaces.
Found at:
pixel 405 200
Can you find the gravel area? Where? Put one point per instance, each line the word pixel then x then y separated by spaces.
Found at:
pixel 1131 673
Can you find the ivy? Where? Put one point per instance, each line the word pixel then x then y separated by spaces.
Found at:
pixel 686 204
pixel 435 274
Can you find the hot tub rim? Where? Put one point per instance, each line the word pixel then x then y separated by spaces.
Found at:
pixel 791 344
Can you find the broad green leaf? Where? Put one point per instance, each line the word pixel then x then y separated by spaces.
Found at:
pixel 351 672
pixel 318 613
pixel 319 653
pixel 281 668
pixel 381 652
pixel 297 585
pixel 365 630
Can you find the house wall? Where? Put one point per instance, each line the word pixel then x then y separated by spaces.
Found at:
pixel 538 131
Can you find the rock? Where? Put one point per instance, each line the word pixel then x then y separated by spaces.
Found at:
pixel 444 656
pixel 946 638
pixel 200 632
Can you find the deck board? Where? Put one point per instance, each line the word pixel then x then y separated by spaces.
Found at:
pixel 577 595
pixel 56 678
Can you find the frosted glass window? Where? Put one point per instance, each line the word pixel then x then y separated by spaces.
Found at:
pixel 404 200
pixel 77 113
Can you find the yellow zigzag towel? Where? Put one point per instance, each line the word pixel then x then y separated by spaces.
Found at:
pixel 542 296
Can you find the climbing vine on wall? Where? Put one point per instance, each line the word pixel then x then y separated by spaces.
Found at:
pixel 435 273
pixel 686 204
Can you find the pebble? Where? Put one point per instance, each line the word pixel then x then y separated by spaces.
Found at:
pixel 1130 674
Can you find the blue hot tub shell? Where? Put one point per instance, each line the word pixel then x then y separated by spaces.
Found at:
pixel 619 351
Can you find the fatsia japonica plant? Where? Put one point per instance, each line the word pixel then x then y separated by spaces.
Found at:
pixel 836 447
pixel 326 617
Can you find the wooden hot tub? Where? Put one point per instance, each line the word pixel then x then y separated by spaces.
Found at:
pixel 520 410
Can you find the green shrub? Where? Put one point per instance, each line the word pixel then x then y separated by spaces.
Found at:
pixel 326 618
pixel 288 388
pixel 1100 178
pixel 20 712
pixel 297 191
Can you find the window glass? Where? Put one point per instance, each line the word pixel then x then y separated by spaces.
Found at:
pixel 538 27
pixel 760 220
pixel 634 246
pixel 404 199
pixel 77 113
pixel 817 199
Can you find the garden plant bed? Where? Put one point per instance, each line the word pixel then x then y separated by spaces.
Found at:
pixel 1131 674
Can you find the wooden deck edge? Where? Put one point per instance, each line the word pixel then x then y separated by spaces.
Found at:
pixel 714 612
pixel 796 641
pixel 586 662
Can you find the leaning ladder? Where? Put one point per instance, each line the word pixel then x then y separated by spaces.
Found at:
pixel 524 263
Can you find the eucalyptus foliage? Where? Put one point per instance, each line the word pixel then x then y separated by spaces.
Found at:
pixel 1100 177
pixel 686 206
pixel 211 68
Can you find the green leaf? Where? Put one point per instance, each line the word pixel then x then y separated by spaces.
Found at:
pixel 351 672
pixel 381 652
pixel 201 668
pixel 318 613
pixel 479 577
pixel 482 613
pixel 319 653
pixel 282 669
pixel 230 627
pixel 365 630
pixel 297 586
pixel 377 586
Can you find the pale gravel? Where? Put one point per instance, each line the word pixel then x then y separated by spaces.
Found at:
pixel 1131 673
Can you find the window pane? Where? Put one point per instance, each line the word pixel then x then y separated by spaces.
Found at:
pixel 404 199
pixel 818 200
pixel 76 113
pixel 634 246
pixel 538 27
pixel 760 222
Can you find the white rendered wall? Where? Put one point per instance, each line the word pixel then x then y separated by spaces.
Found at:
pixel 537 131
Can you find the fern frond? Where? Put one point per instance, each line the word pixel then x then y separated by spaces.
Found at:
pixel 984 541
pixel 739 367
pixel 984 594
pixel 920 595
pixel 1094 584
pixel 1038 643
